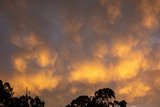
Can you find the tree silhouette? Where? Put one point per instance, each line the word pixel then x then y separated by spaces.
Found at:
pixel 8 100
pixel 6 93
pixel 81 101
pixel 102 98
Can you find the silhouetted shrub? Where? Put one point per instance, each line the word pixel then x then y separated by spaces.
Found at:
pixel 102 98
pixel 8 100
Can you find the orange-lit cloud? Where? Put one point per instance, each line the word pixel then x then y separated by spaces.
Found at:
pixel 122 48
pixel 35 50
pixel 80 46
pixel 157 82
pixel 150 21
pixel 129 66
pixel 134 90
pixel 74 90
pixel 150 13
pixel 100 50
pixel 28 42
pixel 130 60
pixel 43 80
pixel 89 72
pixel 44 58
pixel 20 64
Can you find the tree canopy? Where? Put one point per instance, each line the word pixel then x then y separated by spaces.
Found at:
pixel 7 98
pixel 102 98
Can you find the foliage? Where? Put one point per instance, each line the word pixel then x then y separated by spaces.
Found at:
pixel 102 98
pixel 8 100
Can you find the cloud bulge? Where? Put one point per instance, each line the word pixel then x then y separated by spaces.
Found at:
pixel 76 47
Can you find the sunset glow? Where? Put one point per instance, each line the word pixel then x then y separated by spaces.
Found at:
pixel 61 49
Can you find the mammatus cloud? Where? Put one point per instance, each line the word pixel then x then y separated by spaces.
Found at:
pixel 113 9
pixel 128 65
pixel 134 90
pixel 43 80
pixel 90 72
pixel 150 11
pixel 20 64
pixel 60 49
pixel 35 51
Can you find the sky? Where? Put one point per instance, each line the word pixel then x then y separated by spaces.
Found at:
pixel 61 49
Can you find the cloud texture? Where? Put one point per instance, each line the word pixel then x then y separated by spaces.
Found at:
pixel 61 49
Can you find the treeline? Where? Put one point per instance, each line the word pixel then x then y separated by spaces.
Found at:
pixel 102 98
pixel 7 98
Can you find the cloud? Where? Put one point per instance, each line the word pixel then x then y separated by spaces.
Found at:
pixel 130 61
pixel 20 64
pixel 77 47
pixel 133 90
pixel 28 42
pixel 113 9
pixel 36 83
pixel 90 72
pixel 35 52
pixel 150 13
